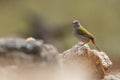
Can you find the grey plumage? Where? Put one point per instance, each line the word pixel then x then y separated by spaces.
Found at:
pixel 82 34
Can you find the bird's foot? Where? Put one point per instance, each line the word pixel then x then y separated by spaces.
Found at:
pixel 82 44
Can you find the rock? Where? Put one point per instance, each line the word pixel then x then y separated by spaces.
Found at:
pixel 113 76
pixel 17 51
pixel 36 57
pixel 99 62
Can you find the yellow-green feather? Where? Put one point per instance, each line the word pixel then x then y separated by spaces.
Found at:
pixel 84 32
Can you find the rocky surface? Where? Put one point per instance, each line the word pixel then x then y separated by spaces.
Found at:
pixel 30 59
pixel 99 62
pixel 17 51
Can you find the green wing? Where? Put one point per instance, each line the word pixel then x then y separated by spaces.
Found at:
pixel 85 33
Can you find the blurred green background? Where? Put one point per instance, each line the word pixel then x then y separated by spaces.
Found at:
pixel 24 18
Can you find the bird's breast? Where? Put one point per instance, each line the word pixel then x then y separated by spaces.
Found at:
pixel 81 37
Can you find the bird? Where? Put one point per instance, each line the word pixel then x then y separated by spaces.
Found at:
pixel 83 34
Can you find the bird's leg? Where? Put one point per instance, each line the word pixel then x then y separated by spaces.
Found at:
pixel 83 44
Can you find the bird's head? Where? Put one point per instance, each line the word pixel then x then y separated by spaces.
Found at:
pixel 76 23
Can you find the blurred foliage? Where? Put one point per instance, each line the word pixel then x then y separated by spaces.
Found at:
pixel 101 17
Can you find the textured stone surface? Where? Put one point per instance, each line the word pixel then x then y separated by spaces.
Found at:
pixel 17 51
pixel 31 59
pixel 98 61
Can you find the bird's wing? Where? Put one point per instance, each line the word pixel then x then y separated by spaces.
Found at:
pixel 84 32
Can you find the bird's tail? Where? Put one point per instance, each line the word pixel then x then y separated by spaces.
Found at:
pixel 93 41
